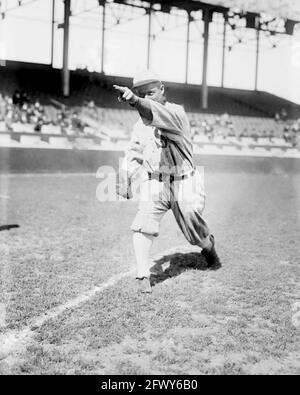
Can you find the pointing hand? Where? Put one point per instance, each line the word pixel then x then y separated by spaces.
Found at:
pixel 126 95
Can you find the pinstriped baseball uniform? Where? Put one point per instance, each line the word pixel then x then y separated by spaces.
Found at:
pixel 164 148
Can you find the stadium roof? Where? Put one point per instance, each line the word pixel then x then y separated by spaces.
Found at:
pixel 286 9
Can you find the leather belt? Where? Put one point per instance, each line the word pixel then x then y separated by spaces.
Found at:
pixel 172 177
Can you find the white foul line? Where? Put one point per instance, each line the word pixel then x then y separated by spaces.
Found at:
pixel 12 341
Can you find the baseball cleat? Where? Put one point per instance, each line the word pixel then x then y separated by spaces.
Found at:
pixel 144 285
pixel 211 256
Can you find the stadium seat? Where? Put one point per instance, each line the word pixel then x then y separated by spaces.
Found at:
pixel 3 127
pixel 5 140
pixel 51 129
pixel 23 127
pixel 31 141
pixel 60 142
pixel 84 143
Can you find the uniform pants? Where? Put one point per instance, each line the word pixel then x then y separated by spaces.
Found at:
pixel 186 198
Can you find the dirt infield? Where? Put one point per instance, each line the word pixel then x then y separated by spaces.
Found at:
pixel 239 320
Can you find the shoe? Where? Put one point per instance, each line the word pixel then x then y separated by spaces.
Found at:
pixel 211 256
pixel 144 285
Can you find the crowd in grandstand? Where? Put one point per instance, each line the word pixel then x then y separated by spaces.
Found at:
pixel 292 132
pixel 281 115
pixel 219 126
pixel 71 120
pixel 223 127
pixel 19 109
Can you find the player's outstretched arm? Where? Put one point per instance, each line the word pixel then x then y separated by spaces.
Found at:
pixel 143 106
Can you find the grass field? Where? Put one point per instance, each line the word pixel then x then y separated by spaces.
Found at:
pixel 66 307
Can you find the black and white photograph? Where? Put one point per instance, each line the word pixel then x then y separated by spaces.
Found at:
pixel 149 190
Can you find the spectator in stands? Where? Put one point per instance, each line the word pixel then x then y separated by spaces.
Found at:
pixel 38 126
pixel 294 140
pixel 296 126
pixel 297 141
pixel 76 123
pixel 271 136
pixel 24 98
pixel 9 118
pixel 245 133
pixel 91 104
pixel 210 131
pixel 277 117
pixel 231 131
pixel 17 98
pixel 225 119
pixel 254 134
pixel 291 133
pixel 2 108
pixel 283 114
pixel 286 134
pixel 194 128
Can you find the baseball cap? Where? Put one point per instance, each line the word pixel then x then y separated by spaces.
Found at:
pixel 145 77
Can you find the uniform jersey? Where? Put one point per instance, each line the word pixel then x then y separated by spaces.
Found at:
pixel 163 145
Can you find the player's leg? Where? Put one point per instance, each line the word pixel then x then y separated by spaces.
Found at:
pixel 188 203
pixel 211 256
pixel 153 205
pixel 142 244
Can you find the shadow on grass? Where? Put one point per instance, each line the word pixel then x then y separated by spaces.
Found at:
pixel 8 227
pixel 176 264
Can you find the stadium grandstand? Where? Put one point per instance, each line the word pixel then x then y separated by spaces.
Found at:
pixel 46 107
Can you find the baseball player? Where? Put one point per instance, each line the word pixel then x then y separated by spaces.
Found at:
pixel 161 145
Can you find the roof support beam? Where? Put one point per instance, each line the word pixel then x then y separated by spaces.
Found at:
pixel 103 35
pixel 224 51
pixel 66 71
pixel 257 52
pixel 190 19
pixel 52 32
pixel 149 37
pixel 207 17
